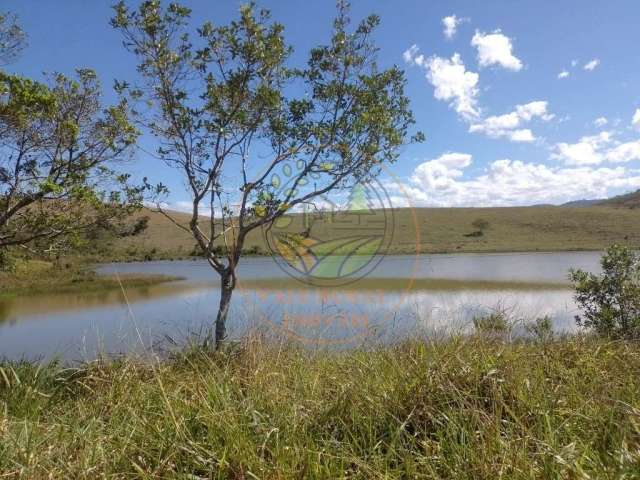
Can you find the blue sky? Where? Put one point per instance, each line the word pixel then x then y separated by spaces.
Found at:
pixel 521 102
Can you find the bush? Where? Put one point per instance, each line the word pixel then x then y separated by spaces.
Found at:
pixel 610 302
pixel 254 250
pixel 7 262
pixel 541 329
pixel 480 224
pixel 493 323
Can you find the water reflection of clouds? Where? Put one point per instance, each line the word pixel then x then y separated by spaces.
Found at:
pixel 83 327
pixel 340 318
pixel 348 318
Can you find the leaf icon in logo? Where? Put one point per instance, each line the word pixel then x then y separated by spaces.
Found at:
pixel 328 259
pixel 296 251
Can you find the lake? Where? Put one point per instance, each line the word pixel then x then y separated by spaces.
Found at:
pixel 404 295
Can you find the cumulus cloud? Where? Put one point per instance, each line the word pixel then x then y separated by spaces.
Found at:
pixel 592 64
pixel 507 182
pixel 624 152
pixel 596 149
pixel 450 25
pixel 587 151
pixel 440 173
pixel 452 82
pixel 563 74
pixel 509 125
pixel 534 109
pixel 635 121
pixel 600 122
pixel 523 135
pixel 495 49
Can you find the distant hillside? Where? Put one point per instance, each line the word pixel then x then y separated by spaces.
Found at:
pixel 628 200
pixel 542 228
pixel 583 203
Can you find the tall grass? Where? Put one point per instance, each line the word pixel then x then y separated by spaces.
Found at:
pixel 469 407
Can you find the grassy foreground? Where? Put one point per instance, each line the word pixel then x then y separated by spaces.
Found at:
pixel 465 408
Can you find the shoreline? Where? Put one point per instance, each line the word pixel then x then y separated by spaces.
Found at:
pixel 90 283
pixel 179 258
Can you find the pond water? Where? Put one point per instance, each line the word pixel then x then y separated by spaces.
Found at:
pixel 403 295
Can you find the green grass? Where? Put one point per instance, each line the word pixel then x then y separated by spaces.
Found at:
pixel 429 230
pixel 467 408
pixel 37 277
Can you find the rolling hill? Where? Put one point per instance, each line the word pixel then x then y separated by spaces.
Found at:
pixel 628 200
pixel 436 230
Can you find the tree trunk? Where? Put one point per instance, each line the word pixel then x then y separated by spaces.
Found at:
pixel 226 291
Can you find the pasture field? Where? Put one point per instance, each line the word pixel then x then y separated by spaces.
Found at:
pixel 427 230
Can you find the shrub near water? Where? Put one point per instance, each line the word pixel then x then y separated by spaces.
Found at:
pixel 610 302
pixel 496 323
pixel 465 408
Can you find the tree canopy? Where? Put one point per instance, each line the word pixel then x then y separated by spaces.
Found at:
pixel 230 112
pixel 58 146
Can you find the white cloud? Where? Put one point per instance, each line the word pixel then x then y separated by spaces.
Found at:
pixel 508 125
pixel 411 56
pixel 635 121
pixel 587 151
pixel 596 149
pixel 453 83
pixel 450 24
pixel 511 182
pixel 522 136
pixel 534 109
pixel 563 74
pixel 184 206
pixel 495 49
pixel 592 64
pixel 624 152
pixel 574 62
pixel 440 174
pixel 495 126
pixel 600 122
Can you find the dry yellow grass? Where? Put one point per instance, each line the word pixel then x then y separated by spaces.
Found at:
pixel 435 230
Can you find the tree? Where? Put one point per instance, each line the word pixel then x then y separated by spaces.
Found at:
pixel 58 147
pixel 610 302
pixel 480 224
pixel 220 108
